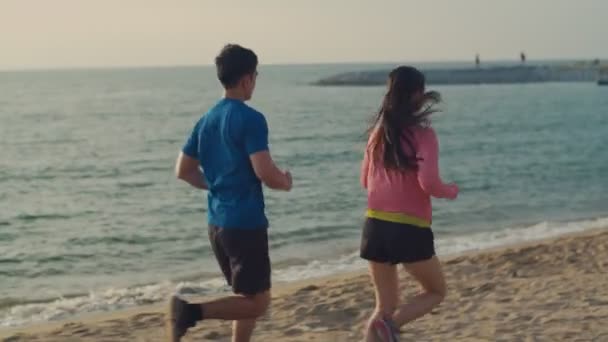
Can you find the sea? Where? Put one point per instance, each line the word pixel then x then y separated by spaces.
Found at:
pixel 92 218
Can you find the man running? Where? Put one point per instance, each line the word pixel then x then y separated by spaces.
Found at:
pixel 227 154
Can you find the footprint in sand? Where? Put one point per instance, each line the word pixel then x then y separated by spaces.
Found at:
pixel 147 319
pixel 293 332
pixel 308 288
pixel 13 338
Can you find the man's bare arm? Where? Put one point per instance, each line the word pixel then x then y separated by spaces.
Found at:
pixel 267 171
pixel 187 169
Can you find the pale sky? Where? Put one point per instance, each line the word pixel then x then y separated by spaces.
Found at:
pixel 106 33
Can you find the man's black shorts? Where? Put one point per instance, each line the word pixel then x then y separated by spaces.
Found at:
pixel 243 257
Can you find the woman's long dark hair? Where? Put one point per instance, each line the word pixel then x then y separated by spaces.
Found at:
pixel 405 105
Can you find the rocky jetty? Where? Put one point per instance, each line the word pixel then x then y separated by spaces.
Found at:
pixel 482 75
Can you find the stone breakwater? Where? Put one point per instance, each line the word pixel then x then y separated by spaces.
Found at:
pixel 484 75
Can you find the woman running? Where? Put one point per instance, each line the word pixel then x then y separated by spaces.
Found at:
pixel 400 173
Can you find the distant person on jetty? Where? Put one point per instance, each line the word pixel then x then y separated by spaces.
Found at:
pixel 522 57
pixel 400 172
pixel 227 154
pixel 477 61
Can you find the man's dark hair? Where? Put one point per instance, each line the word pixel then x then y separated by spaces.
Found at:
pixel 234 62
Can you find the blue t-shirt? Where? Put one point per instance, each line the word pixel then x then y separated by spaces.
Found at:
pixel 222 141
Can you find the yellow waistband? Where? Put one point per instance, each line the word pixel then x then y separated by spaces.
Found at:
pixel 397 218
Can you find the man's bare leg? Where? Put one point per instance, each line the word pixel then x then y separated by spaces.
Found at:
pixel 242 330
pixel 237 307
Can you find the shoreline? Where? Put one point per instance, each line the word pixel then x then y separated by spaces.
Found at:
pixel 338 294
pixel 107 300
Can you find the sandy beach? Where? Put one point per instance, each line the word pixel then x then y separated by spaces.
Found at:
pixel 551 290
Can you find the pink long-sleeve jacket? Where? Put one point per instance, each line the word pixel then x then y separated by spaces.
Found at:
pixel 406 193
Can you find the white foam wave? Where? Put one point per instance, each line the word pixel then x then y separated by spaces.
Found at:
pixel 107 300
pixel 508 236
pixel 449 245
pixel 115 299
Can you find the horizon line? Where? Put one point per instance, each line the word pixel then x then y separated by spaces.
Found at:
pixel 177 66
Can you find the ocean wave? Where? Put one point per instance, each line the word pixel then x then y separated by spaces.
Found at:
pixel 133 185
pixel 55 216
pixel 100 301
pixel 33 217
pixel 513 235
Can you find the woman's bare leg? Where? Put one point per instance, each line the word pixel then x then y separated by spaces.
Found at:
pixel 386 285
pixel 428 273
